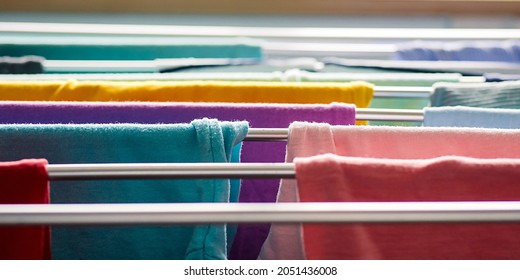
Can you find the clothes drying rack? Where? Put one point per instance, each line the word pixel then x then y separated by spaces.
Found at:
pixel 306 212
pixel 291 75
pixel 193 213
pixel 197 213
pixel 366 43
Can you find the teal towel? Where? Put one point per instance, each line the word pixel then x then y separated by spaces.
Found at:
pixel 201 141
pixel 128 48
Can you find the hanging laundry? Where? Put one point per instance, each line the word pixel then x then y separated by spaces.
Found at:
pixel 24 182
pixel 332 178
pixel 487 95
pixel 359 93
pixel 500 51
pixel 249 238
pixel 88 47
pixel 307 139
pixel 203 140
pixel 461 116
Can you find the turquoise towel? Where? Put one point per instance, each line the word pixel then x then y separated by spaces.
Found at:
pixel 201 141
pixel 128 48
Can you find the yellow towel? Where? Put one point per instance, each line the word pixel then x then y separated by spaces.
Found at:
pixel 358 93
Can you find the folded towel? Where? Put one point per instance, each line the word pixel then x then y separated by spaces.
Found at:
pixel 460 116
pixel 24 182
pixel 201 141
pixel 249 238
pixel 310 139
pixel 332 178
pixel 487 95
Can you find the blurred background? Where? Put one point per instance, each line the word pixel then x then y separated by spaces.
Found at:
pixel 312 13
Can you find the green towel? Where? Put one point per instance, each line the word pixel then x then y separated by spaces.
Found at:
pixel 201 141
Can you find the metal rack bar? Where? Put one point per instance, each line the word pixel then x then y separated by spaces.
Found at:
pixel 301 212
pixel 261 32
pixel 121 171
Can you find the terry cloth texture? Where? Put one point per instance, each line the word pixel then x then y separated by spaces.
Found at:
pixel 358 93
pixel 310 139
pixel 203 140
pixel 249 238
pixel 332 178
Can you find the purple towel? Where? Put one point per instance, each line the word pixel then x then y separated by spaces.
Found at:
pixel 249 238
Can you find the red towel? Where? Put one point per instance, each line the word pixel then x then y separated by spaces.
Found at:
pixel 332 178
pixel 24 181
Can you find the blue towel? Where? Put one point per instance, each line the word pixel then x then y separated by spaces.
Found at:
pixel 201 141
pixel 500 51
pixel 460 116
pixel 484 95
pixel 128 48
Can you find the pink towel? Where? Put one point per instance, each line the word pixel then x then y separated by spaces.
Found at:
pixel 332 178
pixel 309 139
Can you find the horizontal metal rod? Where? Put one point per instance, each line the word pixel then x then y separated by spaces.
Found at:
pixel 267 134
pixel 261 32
pixel 376 114
pixel 466 67
pixel 175 76
pixel 137 66
pixel 171 64
pixel 210 213
pixel 103 171
pixel 402 92
pixel 288 75
pixel 369 114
